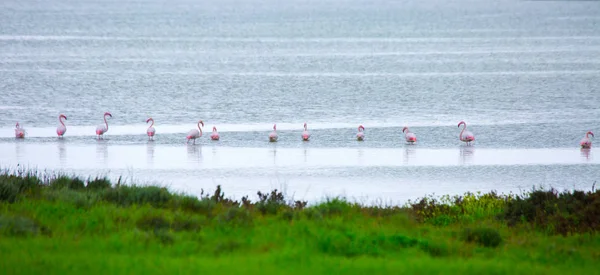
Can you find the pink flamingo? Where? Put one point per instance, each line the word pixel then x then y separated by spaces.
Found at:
pixel 409 136
pixel 273 135
pixel 101 129
pixel 361 134
pixel 19 132
pixel 305 134
pixel 585 142
pixel 151 131
pixel 215 134
pixel 194 134
pixel 465 136
pixel 61 129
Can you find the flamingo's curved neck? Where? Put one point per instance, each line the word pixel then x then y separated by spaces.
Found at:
pixel 106 122
pixel 463 129
pixel 274 127
pixel 587 135
pixel 199 128
pixel 151 124
pixel 214 129
pixel 305 127
pixel 60 119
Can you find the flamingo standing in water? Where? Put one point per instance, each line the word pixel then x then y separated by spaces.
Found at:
pixel 194 134
pixel 273 135
pixel 151 131
pixel 61 129
pixel 585 142
pixel 305 134
pixel 465 136
pixel 19 132
pixel 409 136
pixel 101 129
pixel 215 134
pixel 361 134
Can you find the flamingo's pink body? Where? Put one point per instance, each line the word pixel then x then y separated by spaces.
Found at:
pixel 195 133
pixel 103 128
pixel 151 131
pixel 361 134
pixel 273 135
pixel 409 136
pixel 61 129
pixel 215 134
pixel 19 132
pixel 305 133
pixel 465 136
pixel 586 142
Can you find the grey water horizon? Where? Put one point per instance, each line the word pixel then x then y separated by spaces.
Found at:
pixel 521 74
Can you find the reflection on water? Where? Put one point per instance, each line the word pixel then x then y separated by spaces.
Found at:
pixel 274 153
pixel 466 154
pixel 361 156
pixel 102 151
pixel 333 169
pixel 150 152
pixel 586 153
pixel 409 153
pixel 62 152
pixel 305 155
pixel 194 153
pixel 18 150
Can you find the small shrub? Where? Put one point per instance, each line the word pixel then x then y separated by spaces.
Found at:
pixel 557 213
pixel 335 206
pixel 164 236
pixel 270 203
pixel 346 243
pixel 153 223
pixel 287 215
pixel 235 216
pixel 226 247
pixel 25 183
pixel 467 208
pixel 487 237
pixel 98 184
pixel 8 191
pixel 18 226
pixel 192 223
pixel 129 195
pixel 434 250
pixel 299 205
pixel 63 182
pixel 313 214
pixel 193 204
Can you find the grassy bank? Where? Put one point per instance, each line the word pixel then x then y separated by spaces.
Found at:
pixel 53 224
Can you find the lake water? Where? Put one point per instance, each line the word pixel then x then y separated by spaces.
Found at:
pixel 523 75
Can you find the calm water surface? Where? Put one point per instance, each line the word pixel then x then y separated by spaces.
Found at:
pixel 522 74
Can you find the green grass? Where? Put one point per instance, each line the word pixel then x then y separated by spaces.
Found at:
pixel 59 224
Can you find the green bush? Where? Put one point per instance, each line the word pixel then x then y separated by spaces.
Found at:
pixel 236 217
pixel 19 226
pixel 557 213
pixel 8 191
pixel 98 183
pixel 467 208
pixel 129 195
pixel 487 237
pixel 64 182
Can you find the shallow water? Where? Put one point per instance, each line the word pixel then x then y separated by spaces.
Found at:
pixel 523 75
